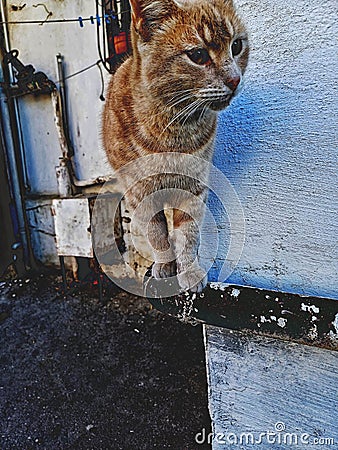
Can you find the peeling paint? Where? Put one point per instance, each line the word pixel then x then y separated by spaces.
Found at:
pixel 310 308
pixel 313 332
pixel 219 286
pixel 281 322
pixel 255 383
pixel 72 225
pixel 235 293
pixel 334 334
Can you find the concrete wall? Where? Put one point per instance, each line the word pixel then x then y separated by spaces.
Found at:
pixel 277 145
pixel 39 45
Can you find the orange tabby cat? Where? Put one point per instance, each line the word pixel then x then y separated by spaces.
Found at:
pixel 188 60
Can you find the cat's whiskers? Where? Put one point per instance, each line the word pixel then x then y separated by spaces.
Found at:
pixel 176 116
pixel 175 95
pixel 179 97
pixel 182 99
pixel 168 106
pixel 187 110
pixel 195 105
pixel 182 91
pixel 206 104
pixel 211 89
pixel 214 93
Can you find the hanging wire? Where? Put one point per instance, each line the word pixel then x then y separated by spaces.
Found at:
pixel 102 98
pixel 80 71
pixel 102 18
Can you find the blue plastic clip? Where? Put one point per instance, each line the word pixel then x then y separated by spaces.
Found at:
pixel 92 20
pixel 113 16
pixel 98 18
pixel 107 18
pixel 81 22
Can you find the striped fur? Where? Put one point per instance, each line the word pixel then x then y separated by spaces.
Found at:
pixel 160 100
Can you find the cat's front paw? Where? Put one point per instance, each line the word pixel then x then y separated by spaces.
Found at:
pixel 194 279
pixel 163 270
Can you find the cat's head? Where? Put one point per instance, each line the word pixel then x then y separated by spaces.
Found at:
pixel 189 51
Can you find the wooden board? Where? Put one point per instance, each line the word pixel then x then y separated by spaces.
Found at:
pixel 270 394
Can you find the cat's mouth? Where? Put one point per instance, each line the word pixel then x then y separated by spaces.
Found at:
pixel 220 103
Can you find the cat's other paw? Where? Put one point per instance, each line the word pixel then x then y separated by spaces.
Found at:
pixel 163 270
pixel 194 279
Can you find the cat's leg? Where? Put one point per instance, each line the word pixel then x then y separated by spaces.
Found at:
pixel 164 257
pixel 185 237
pixel 148 217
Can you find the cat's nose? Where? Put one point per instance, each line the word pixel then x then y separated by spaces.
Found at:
pixel 233 82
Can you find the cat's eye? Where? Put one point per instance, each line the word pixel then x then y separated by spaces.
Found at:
pixel 199 56
pixel 236 47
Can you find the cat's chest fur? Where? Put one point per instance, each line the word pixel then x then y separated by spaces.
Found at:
pixel 135 126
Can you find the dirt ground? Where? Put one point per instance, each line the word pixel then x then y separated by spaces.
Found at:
pixel 79 374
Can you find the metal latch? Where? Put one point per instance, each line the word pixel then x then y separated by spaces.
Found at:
pixel 28 81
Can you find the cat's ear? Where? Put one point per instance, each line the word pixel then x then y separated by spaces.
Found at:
pixel 147 14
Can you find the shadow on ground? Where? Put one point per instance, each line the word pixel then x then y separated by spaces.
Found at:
pixel 77 374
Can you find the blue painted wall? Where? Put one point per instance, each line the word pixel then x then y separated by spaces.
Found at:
pixel 277 145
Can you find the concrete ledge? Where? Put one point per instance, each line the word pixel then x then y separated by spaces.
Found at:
pixel 265 393
pixel 306 320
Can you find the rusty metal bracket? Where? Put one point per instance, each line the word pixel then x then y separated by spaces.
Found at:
pixel 28 81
